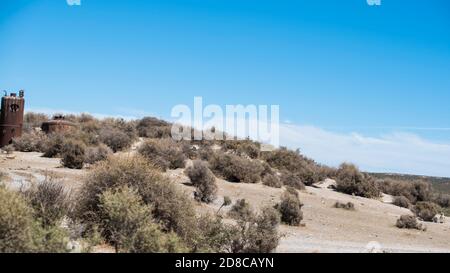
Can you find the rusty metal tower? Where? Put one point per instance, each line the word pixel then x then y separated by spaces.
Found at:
pixel 11 117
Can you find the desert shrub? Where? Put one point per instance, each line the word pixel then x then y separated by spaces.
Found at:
pixel 171 208
pixel 290 209
pixel 30 142
pixel 442 200
pixel 53 145
pixel 50 202
pixel 266 169
pixel 401 201
pixel 292 191
pixel 9 149
pixel 351 181
pixel 415 191
pixel 226 202
pixel 426 210
pixel 73 154
pixel 291 180
pixel 164 153
pixel 97 153
pixel 128 226
pixel 259 235
pixel 235 169
pixel 241 210
pixel 116 139
pixel 205 153
pixel 21 233
pixel 271 180
pixel 203 180
pixel 292 161
pixel 346 206
pixel 150 127
pixel 242 147
pixel 408 222
pixel 33 120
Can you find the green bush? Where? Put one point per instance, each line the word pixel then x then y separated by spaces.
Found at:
pixel 351 181
pixel 271 180
pixel 171 208
pixel 73 154
pixel 426 210
pixel 290 209
pixel 235 169
pixel 127 224
pixel 21 233
pixel 164 153
pixel 408 222
pixel 203 180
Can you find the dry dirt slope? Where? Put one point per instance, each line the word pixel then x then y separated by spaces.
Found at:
pixel 326 229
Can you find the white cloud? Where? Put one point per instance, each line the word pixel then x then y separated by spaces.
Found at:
pixel 396 152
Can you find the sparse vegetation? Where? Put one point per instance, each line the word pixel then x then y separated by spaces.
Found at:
pixel 291 180
pixel 153 128
pixel 30 142
pixel 290 209
pixel 241 210
pixel 346 206
pixel 204 181
pixel 116 139
pixel 351 181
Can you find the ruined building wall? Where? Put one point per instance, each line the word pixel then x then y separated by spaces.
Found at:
pixel 11 118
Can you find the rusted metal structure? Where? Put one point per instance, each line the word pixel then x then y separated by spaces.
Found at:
pixel 11 117
pixel 57 125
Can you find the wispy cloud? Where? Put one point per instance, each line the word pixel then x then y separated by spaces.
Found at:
pixel 395 152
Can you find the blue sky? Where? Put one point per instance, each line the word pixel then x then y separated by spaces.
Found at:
pixel 338 69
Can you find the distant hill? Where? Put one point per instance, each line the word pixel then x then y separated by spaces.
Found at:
pixel 440 184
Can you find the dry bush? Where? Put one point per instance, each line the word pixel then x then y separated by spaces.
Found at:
pixel 53 145
pixel 127 224
pixel 9 149
pixel 150 127
pixel 235 169
pixel 416 191
pixel 164 153
pixel 97 153
pixel 291 180
pixel 292 191
pixel 401 201
pixel 290 209
pixel 272 180
pixel 346 206
pixel 243 147
pixel 73 154
pixel 171 208
pixel 426 210
pixel 203 180
pixel 292 161
pixel 21 233
pixel 116 139
pixel 442 200
pixel 30 142
pixel 241 210
pixel 33 120
pixel 351 181
pixel 50 202
pixel 409 222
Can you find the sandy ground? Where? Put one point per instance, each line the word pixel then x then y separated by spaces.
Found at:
pixel 370 228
